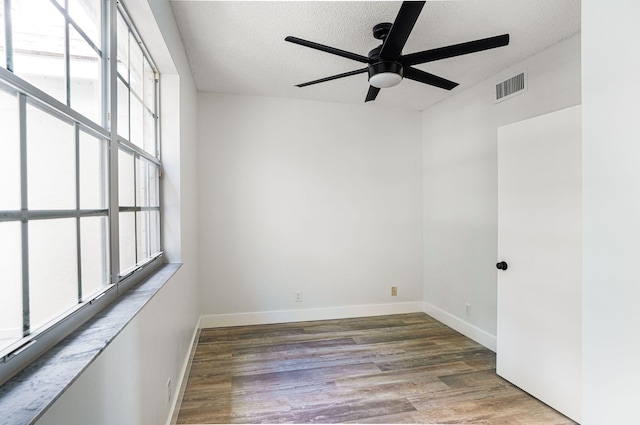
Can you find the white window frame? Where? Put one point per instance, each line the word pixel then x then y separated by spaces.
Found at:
pixel 37 341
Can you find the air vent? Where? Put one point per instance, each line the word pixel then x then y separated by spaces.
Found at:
pixel 511 87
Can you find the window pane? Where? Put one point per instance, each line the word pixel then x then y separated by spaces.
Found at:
pixel 9 152
pixel 149 133
pixel 123 110
pixel 136 62
pixel 93 176
pixel 149 86
pixel 94 255
pixel 153 186
pixel 11 299
pixel 87 14
pixel 137 124
pixel 142 228
pixel 126 181
pixel 53 269
pixel 51 162
pixel 147 189
pixel 123 48
pixel 127 241
pixel 142 195
pixel 3 52
pixel 39 45
pixel 86 80
pixel 154 232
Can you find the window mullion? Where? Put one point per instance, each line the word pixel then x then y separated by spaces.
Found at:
pixel 8 35
pixel 146 215
pixel 113 144
pixel 106 64
pixel 156 115
pixel 67 56
pixel 78 238
pixel 136 171
pixel 24 201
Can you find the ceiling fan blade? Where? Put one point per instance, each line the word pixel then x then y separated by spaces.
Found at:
pixel 426 78
pixel 401 29
pixel 455 50
pixel 334 77
pixel 372 93
pixel 327 49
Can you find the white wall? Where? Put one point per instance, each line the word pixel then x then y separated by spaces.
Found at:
pixel 611 191
pixel 307 196
pixel 459 137
pixel 127 382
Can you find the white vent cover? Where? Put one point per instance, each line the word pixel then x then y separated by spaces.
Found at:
pixel 511 87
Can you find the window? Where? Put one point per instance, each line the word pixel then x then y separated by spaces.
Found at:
pixel 138 172
pixel 79 163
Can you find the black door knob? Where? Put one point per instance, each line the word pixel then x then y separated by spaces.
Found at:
pixel 502 265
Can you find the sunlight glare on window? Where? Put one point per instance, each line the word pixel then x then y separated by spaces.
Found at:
pixel 3 43
pixel 93 172
pixel 123 110
pixel 9 151
pixel 94 255
pixel 51 157
pixel 85 77
pixel 88 15
pixel 11 299
pixel 123 48
pixel 126 175
pixel 137 123
pixel 127 241
pixel 154 232
pixel 142 236
pixel 149 88
pixel 39 46
pixel 53 269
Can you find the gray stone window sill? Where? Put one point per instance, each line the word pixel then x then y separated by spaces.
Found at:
pixel 26 396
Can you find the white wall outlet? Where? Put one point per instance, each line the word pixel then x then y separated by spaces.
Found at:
pixel 467 310
pixel 297 296
pixel 394 291
pixel 169 391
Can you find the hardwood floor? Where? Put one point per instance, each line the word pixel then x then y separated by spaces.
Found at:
pixel 406 368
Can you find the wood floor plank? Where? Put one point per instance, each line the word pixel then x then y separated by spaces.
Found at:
pixel 406 368
pixel 338 412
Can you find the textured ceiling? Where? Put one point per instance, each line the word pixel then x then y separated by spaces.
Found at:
pixel 238 47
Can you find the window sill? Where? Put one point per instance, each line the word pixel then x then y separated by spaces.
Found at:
pixel 26 396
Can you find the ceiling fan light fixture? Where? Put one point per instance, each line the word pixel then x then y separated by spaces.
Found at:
pixel 385 74
pixel 384 80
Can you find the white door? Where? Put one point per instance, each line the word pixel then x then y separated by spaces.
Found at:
pixel 540 239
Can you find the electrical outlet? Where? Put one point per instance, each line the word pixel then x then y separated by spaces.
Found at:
pixel 297 296
pixel 467 309
pixel 394 291
pixel 169 391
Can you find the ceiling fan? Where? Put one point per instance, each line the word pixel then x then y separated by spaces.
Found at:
pixel 386 64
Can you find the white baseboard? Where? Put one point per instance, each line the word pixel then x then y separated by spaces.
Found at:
pixel 466 329
pixel 181 382
pixel 305 315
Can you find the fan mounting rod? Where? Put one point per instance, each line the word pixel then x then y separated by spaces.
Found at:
pixel 381 31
